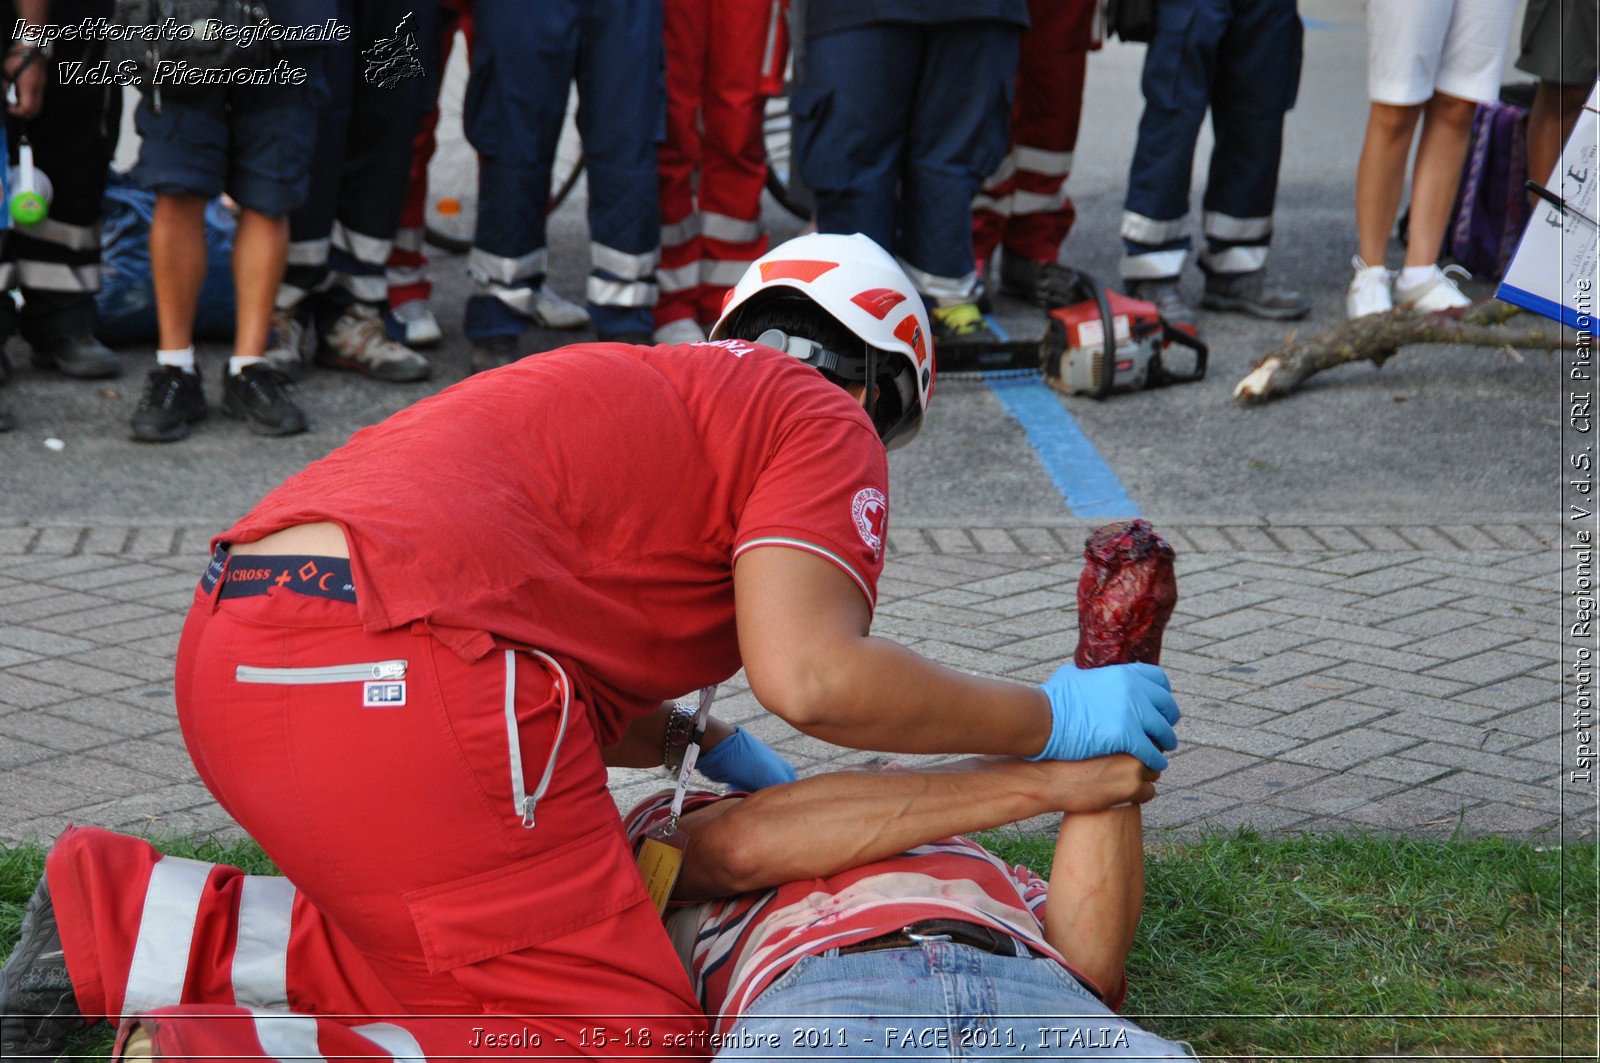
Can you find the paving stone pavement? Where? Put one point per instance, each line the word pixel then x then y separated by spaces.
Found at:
pixel 1393 678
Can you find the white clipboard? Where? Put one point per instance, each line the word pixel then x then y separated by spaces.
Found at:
pixel 1554 272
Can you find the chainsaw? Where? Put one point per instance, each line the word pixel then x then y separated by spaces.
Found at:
pixel 1105 342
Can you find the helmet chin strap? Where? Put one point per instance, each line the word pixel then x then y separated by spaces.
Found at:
pixel 862 371
pixel 816 355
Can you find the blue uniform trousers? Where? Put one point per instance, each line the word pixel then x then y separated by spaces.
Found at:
pixel 896 127
pixel 1240 59
pixel 377 90
pixel 526 55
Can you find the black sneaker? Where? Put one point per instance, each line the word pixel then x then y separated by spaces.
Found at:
pixel 1169 300
pixel 172 401
pixel 1254 294
pixel 492 352
pixel 38 1011
pixel 257 395
pixel 79 355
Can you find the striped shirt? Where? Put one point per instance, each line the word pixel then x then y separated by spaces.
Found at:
pixel 735 947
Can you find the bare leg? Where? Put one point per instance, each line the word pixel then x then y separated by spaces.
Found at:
pixel 1446 130
pixel 258 256
pixel 1555 112
pixel 1097 894
pixel 178 266
pixel 1381 176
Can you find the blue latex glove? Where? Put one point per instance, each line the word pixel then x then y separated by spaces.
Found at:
pixel 745 763
pixel 1120 708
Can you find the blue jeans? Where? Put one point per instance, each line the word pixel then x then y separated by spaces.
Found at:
pixel 937 1000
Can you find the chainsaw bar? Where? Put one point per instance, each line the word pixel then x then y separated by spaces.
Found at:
pixel 1019 357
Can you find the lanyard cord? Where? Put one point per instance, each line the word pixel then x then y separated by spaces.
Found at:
pixel 691 753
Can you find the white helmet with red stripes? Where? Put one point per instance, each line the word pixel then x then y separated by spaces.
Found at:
pixel 861 286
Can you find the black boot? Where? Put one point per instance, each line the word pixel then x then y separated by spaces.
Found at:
pixel 1253 293
pixel 1045 284
pixel 77 354
pixel 38 1011
pixel 1168 297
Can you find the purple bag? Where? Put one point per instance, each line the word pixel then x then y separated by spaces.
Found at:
pixel 1492 204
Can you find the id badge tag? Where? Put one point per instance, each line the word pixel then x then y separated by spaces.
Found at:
pixel 660 856
pixel 660 860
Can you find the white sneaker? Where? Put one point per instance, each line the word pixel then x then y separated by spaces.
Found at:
pixel 684 330
pixel 421 327
pixel 357 340
pixel 557 311
pixel 1436 293
pixel 1369 290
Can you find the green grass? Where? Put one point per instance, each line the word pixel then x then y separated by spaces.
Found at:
pixel 1315 945
pixel 1302 946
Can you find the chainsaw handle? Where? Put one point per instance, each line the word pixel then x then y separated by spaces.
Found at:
pixel 1108 351
pixel 1184 338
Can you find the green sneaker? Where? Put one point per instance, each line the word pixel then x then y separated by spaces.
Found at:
pixel 962 325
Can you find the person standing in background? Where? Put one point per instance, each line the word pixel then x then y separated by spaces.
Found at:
pixel 255 143
pixel 1024 209
pixel 1239 59
pixel 1558 47
pixel 524 59
pixel 55 263
pixel 901 111
pixel 331 302
pixel 1428 61
pixel 724 58
pixel 411 316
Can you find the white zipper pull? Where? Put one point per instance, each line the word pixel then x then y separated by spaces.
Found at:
pixel 527 811
pixel 389 670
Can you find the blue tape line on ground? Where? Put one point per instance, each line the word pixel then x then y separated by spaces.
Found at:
pixel 1087 483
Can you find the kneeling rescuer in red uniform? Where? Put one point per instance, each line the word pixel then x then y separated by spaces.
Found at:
pixel 401 668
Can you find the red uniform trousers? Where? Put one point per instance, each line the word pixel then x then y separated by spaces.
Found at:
pixel 407 272
pixel 1024 204
pixel 424 902
pixel 724 58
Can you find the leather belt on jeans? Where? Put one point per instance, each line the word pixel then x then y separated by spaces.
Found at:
pixel 954 930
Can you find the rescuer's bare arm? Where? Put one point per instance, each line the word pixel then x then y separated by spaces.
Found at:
pixel 803 635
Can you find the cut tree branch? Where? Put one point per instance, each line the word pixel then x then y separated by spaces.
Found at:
pixel 1378 337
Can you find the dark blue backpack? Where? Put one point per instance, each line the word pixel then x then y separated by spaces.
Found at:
pixel 127 300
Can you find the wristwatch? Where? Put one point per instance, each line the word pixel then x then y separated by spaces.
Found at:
pixel 680 731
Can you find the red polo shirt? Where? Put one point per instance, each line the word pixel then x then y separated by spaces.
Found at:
pixel 591 501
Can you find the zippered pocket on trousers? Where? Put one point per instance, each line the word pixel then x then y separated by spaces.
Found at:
pixel 328 673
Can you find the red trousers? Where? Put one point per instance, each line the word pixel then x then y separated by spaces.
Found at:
pixel 1024 204
pixel 419 898
pixel 407 272
pixel 724 58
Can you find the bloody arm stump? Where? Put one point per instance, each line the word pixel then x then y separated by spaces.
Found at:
pixel 1125 595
